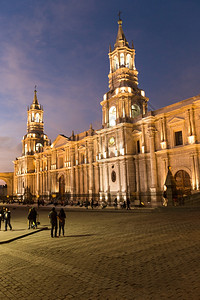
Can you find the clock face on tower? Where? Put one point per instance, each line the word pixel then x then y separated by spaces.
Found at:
pixel 111 141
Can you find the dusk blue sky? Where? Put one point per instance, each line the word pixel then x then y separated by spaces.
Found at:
pixel 62 47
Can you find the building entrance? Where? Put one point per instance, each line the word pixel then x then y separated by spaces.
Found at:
pixel 183 182
pixel 61 187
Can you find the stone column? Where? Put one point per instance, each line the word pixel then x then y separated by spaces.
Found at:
pixel 37 177
pixel 72 182
pixel 101 186
pixel 91 171
pixel 193 172
pixel 137 176
pixel 49 174
pixel 153 158
pixel 119 176
pixel 196 163
pixel 153 187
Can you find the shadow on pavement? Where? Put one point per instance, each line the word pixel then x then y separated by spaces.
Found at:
pixel 78 235
pixel 23 229
pixel 23 235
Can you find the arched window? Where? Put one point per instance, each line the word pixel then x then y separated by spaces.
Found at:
pixel 116 64
pixel 37 118
pixel 32 118
pixel 122 59
pixel 112 116
pixel 135 110
pixel 25 149
pixel 38 147
pixel 128 61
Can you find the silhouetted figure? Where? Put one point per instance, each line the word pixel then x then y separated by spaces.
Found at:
pixel 87 203
pixel 53 221
pixel 32 217
pixel 7 217
pixel 165 200
pixel 1 216
pixel 115 203
pixel 61 219
pixel 128 204
pixel 92 203
pixel 34 212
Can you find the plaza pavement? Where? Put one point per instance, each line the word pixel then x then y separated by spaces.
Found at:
pixel 105 254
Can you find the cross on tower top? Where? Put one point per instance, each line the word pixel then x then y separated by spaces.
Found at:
pixel 119 14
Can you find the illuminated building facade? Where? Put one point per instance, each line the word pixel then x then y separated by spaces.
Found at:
pixel 128 157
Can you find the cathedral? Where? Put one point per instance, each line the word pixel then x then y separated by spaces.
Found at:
pixel 128 157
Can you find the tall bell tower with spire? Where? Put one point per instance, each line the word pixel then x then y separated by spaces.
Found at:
pixel 125 100
pixel 35 139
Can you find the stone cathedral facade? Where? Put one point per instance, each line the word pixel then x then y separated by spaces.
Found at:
pixel 128 157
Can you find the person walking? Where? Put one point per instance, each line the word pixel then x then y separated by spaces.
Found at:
pixel 61 218
pixel 7 217
pixel 54 222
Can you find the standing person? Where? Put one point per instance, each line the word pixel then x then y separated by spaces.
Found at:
pixel 1 216
pixel 61 218
pixel 7 217
pixel 92 203
pixel 165 200
pixel 128 204
pixel 53 221
pixel 87 203
pixel 30 218
pixel 115 203
pixel 34 215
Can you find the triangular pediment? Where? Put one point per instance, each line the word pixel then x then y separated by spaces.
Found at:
pixel 136 131
pixel 81 147
pixel 60 141
pixel 175 120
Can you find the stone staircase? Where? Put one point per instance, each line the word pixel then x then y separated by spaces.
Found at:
pixel 192 200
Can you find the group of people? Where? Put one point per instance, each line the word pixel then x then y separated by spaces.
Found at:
pixel 54 219
pixel 5 217
pixel 125 204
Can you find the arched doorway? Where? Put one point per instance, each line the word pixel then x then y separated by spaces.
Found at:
pixel 7 178
pixel 61 187
pixel 3 189
pixel 183 182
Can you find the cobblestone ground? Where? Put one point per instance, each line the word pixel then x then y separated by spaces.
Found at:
pixel 106 255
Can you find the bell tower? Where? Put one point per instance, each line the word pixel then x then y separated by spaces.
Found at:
pixel 35 139
pixel 125 100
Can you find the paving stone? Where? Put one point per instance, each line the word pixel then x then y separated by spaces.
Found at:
pixel 104 256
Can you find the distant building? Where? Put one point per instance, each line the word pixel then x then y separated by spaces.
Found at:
pixel 128 157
